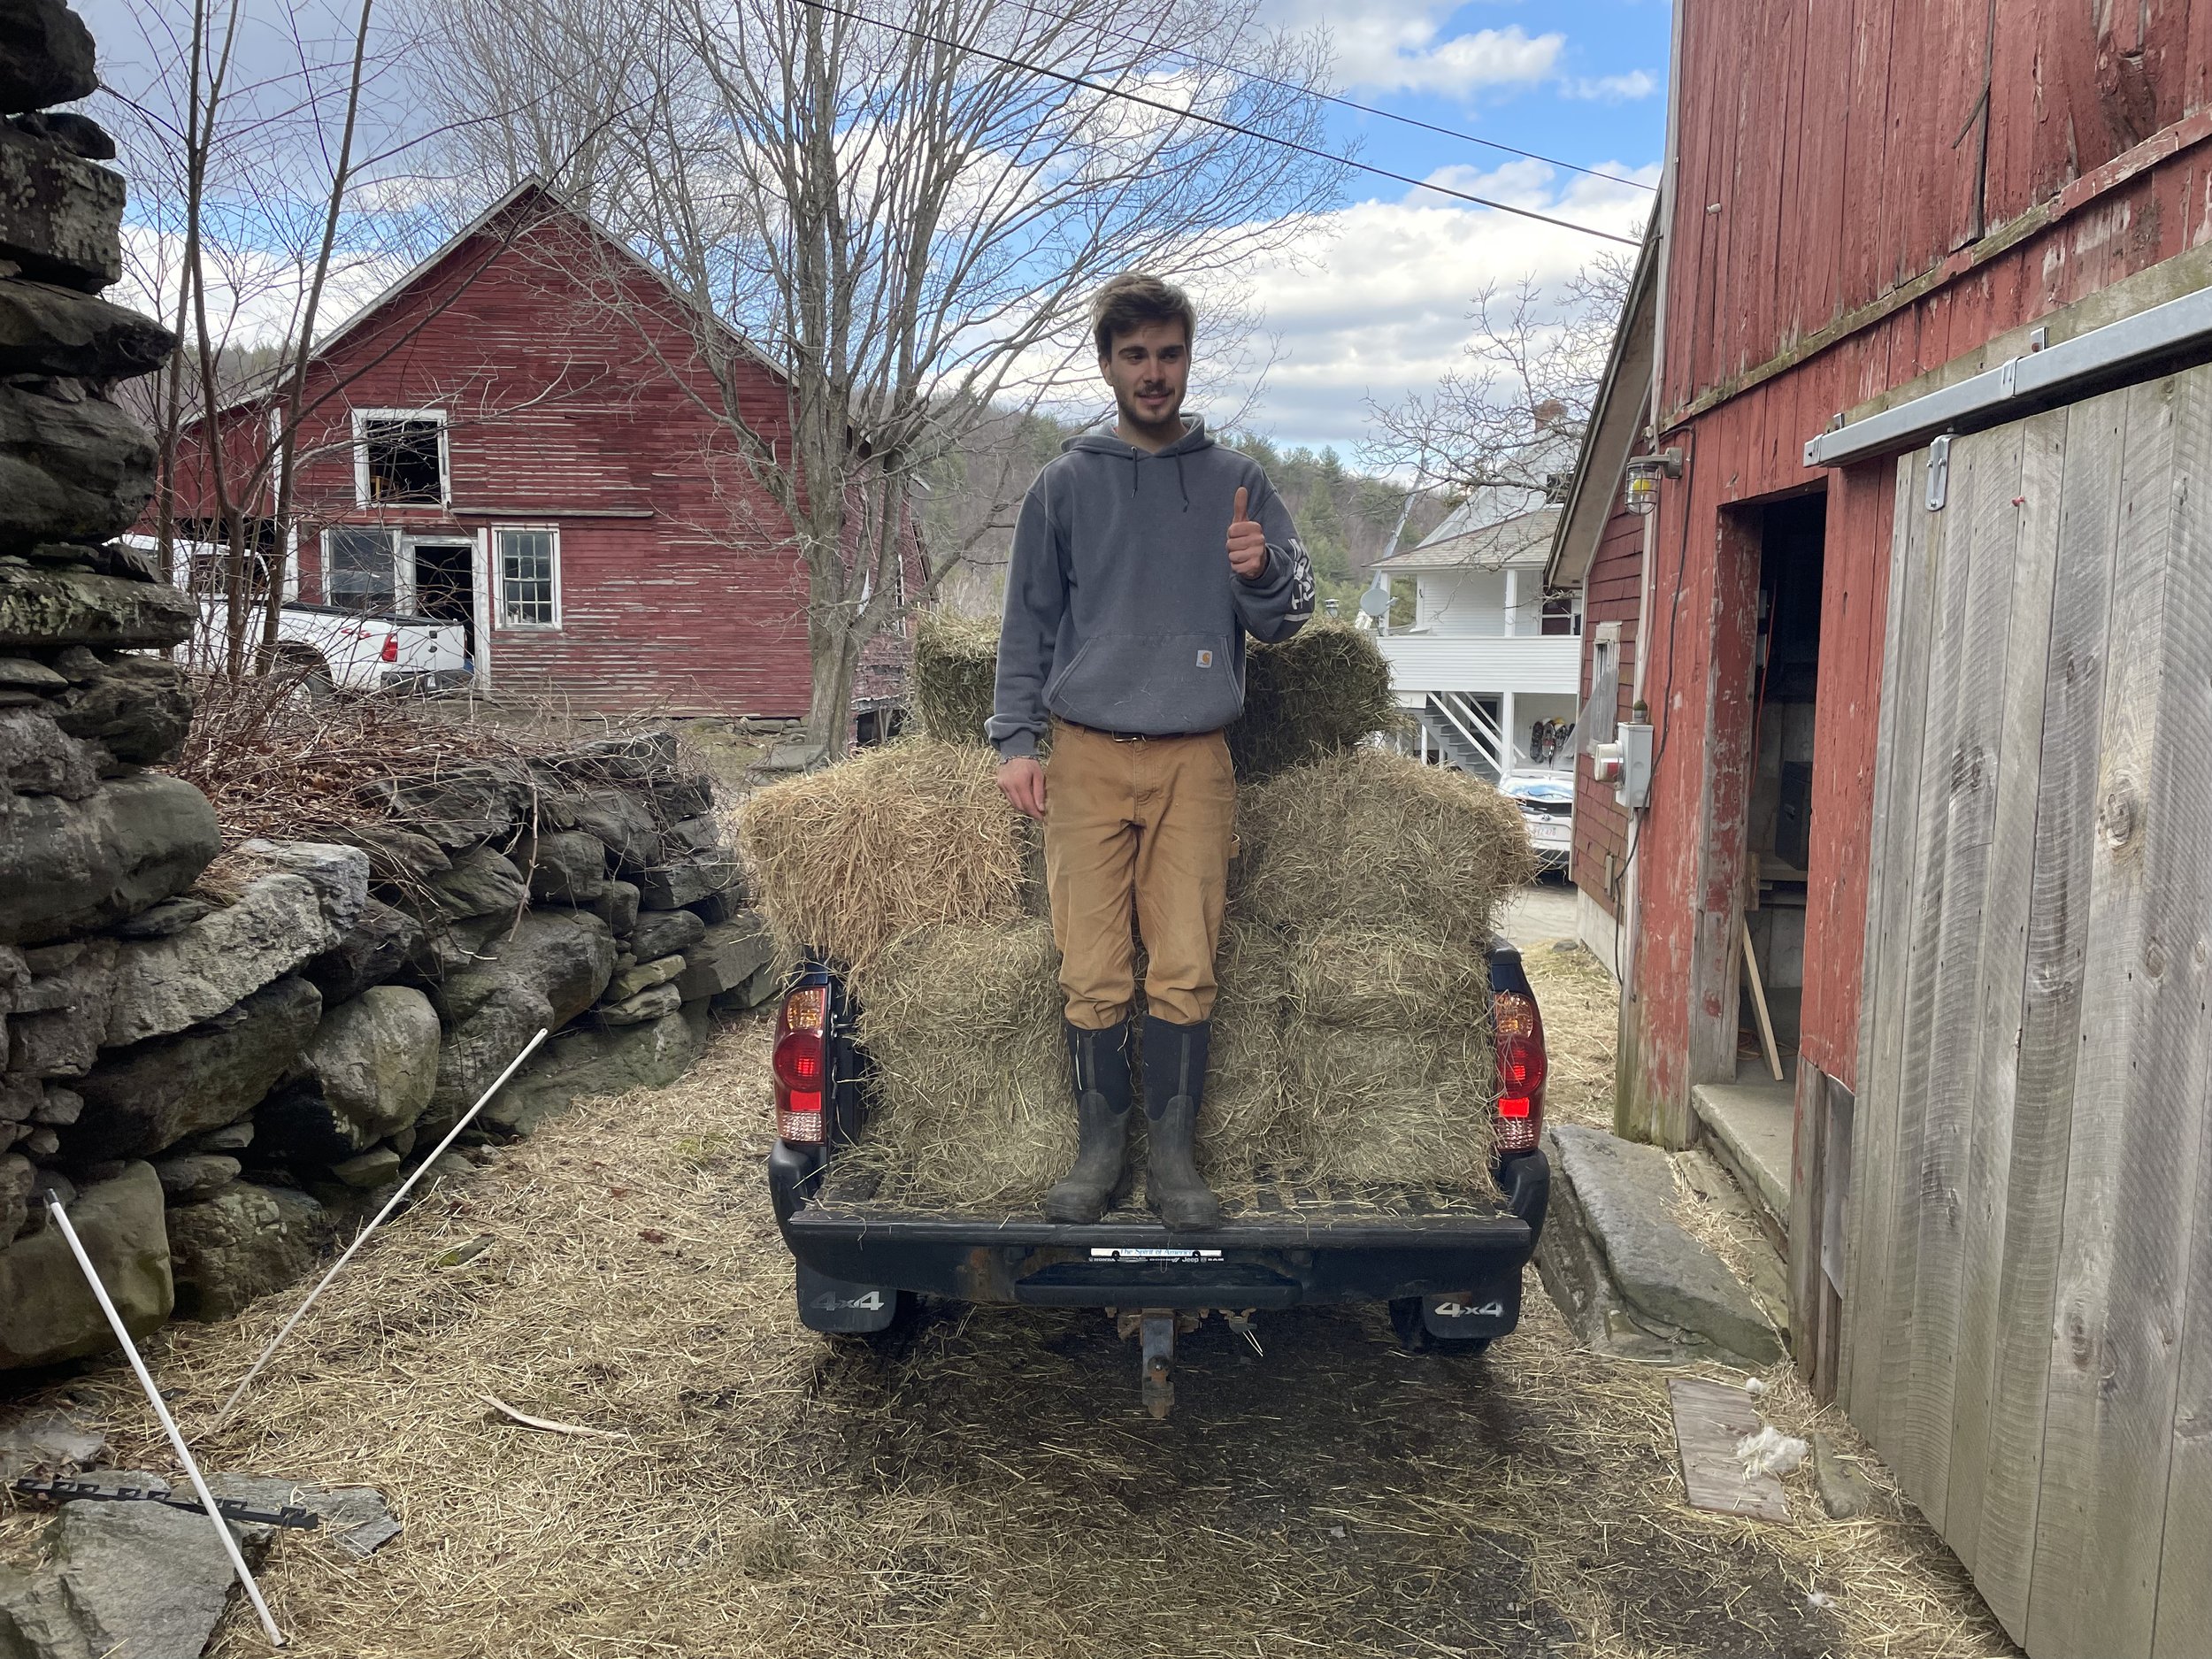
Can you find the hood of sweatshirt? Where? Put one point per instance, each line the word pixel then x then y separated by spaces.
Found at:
pixel 1103 440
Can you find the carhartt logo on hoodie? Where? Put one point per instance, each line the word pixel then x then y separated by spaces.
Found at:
pixel 1205 659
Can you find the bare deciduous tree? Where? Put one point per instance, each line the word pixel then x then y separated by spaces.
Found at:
pixel 1533 365
pixel 904 210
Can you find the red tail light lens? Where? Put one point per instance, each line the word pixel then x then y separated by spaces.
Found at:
pixel 390 653
pixel 801 1064
pixel 1522 1067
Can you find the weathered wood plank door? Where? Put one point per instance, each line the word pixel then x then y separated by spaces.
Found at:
pixel 2028 1300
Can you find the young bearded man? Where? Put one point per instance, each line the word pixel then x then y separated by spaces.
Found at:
pixel 1142 558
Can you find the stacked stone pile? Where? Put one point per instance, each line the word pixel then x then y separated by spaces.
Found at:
pixel 214 1064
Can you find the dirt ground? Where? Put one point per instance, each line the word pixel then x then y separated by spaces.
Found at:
pixel 991 1486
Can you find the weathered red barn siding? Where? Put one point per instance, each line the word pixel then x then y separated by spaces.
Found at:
pixel 1829 242
pixel 1610 594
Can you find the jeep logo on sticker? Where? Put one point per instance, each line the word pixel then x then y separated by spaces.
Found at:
pixel 1205 659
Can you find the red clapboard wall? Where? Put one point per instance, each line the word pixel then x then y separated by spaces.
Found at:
pixel 1610 595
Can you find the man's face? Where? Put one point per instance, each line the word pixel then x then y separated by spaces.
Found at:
pixel 1149 367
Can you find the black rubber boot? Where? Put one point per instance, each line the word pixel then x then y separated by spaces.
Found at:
pixel 1100 1062
pixel 1174 1085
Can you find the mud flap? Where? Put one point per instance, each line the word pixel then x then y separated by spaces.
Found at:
pixel 1487 1311
pixel 837 1308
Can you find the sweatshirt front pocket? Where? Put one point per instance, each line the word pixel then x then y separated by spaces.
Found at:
pixel 1149 682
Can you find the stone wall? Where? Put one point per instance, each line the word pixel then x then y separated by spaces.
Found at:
pixel 216 1070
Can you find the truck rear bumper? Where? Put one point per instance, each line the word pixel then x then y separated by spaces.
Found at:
pixel 1256 1261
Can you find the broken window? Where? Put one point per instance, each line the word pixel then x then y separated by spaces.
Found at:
pixel 402 460
pixel 529 577
pixel 360 572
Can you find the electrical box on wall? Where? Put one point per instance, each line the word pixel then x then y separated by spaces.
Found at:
pixel 1633 786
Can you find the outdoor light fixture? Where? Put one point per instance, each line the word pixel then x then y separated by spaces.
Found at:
pixel 1643 473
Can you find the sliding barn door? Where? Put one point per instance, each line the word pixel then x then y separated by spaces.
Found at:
pixel 2028 1300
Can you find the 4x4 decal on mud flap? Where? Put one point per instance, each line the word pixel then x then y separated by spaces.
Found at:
pixel 830 1302
pixel 1461 1311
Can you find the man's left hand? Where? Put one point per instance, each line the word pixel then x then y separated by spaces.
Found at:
pixel 1247 543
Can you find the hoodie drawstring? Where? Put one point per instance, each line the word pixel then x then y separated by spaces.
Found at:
pixel 1180 484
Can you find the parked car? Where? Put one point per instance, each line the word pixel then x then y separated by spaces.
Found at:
pixel 1546 801
pixel 330 647
pixel 1451 1270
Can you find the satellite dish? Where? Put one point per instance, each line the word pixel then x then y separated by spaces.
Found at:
pixel 1375 602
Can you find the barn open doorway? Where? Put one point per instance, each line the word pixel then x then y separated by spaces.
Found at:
pixel 445 586
pixel 1779 818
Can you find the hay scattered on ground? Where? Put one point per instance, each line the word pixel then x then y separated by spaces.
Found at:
pixel 954 675
pixel 849 860
pixel 1369 835
pixel 989 1488
pixel 1324 689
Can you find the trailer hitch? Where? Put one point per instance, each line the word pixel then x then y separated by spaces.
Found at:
pixel 1156 1329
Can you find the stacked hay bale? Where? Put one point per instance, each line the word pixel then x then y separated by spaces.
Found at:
pixel 1351 1039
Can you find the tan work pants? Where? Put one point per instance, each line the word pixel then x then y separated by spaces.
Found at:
pixel 1147 821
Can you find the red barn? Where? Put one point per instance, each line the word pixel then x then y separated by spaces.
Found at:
pixel 1910 392
pixel 520 434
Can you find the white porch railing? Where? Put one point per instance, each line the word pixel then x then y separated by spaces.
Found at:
pixel 1483 664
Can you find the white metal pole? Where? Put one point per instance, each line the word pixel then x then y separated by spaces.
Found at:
pixel 405 1188
pixel 168 1423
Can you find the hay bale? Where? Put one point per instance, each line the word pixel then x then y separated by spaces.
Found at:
pixel 972 1107
pixel 956 675
pixel 1371 836
pixel 1385 979
pixel 847 860
pixel 1323 690
pixel 1396 1109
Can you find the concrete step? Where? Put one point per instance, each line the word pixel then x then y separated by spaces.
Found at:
pixel 1749 1125
pixel 1628 1276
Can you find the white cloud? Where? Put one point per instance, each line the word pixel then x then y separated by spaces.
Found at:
pixel 1400 46
pixel 1637 83
pixel 1377 306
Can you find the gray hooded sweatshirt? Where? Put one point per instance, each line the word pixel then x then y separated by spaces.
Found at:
pixel 1122 613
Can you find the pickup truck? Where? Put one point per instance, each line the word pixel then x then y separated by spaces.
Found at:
pixel 1449 1268
pixel 328 646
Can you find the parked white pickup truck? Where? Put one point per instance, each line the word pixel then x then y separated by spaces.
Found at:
pixel 332 649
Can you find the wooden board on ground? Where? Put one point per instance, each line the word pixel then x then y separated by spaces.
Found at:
pixel 1709 1419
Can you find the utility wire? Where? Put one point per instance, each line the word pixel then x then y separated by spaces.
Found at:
pixel 1210 121
pixel 1189 56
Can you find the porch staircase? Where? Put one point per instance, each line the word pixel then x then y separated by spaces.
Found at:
pixel 1467 737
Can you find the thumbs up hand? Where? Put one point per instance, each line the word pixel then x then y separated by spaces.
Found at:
pixel 1247 542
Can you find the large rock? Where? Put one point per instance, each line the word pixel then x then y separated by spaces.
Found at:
pixel 46 605
pixel 1630 1278
pixel 642 976
pixel 727 957
pixel 165 985
pixel 137 1578
pixel 61 218
pixel 614 1061
pixel 151 1095
pixel 241 1244
pixel 339 874
pixel 47 1312
pixel 654 1002
pixel 480 882
pixel 670 887
pixel 373 949
pixel 137 708
pixel 16 1181
pixel 46 56
pixel 548 970
pixel 563 866
pixel 54 331
pixel 622 820
pixel 61 1017
pixel 38 757
pixel 616 906
pixel 663 932
pixel 73 466
pixel 72 867
pixel 397 855
pixel 458 808
pixel 371 1067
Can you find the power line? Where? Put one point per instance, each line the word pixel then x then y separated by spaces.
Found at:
pixel 1402 120
pixel 1216 121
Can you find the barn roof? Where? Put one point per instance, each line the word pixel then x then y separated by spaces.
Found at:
pixel 1493 544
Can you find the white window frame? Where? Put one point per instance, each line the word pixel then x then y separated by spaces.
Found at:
pixel 361 419
pixel 501 619
pixel 402 567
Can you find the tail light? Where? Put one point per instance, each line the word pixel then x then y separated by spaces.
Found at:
pixel 390 653
pixel 1519 1030
pixel 801 1063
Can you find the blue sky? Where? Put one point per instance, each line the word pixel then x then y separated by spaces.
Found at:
pixel 1377 307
